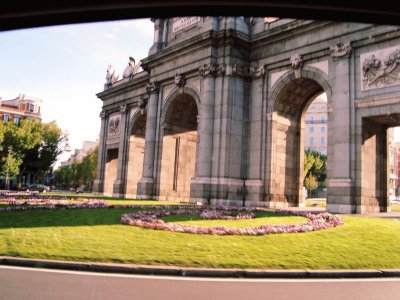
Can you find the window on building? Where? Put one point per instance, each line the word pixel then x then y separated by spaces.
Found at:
pixel 31 107
pixel 311 141
pixel 322 140
pixel 322 119
pixel 311 129
pixel 322 128
pixel 6 118
pixel 311 119
pixel 16 120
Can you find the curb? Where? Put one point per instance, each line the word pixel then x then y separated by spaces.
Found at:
pixel 195 272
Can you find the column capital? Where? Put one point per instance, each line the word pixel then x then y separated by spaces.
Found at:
pixel 341 49
pixel 102 114
pixel 152 87
pixel 123 108
pixel 212 70
pixel 247 72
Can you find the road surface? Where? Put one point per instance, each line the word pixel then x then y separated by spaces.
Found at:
pixel 31 283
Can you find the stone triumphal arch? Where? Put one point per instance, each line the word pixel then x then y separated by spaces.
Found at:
pixel 215 114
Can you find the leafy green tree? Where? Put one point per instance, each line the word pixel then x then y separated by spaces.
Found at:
pixel 10 166
pixel 77 174
pixel 35 145
pixel 314 169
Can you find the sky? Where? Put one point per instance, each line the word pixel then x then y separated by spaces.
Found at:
pixel 65 66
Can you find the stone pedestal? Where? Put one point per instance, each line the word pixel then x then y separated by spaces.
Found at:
pixel 145 188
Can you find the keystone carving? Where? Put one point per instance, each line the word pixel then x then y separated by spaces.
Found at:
pixel 297 63
pixel 340 50
pixel 180 80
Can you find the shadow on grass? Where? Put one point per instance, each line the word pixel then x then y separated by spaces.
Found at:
pixel 62 217
pixel 84 217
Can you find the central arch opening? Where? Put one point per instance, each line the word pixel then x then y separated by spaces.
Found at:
pixel 178 158
pixel 288 127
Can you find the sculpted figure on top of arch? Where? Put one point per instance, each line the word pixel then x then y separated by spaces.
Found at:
pixel 111 77
pixel 132 68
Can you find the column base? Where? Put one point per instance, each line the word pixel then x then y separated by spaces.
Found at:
pixel 119 189
pixel 145 188
pixel 98 186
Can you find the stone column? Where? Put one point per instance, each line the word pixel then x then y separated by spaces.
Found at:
pixel 340 181
pixel 98 185
pixel 254 184
pixel 146 184
pixel 120 182
pixel 200 185
pixel 228 170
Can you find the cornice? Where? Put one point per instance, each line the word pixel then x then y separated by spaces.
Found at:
pixel 118 89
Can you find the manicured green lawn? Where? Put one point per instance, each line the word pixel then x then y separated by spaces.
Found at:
pixel 97 235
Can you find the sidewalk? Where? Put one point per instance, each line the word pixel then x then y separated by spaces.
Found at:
pixel 195 272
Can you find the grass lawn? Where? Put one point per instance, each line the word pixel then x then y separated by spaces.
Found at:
pixel 97 235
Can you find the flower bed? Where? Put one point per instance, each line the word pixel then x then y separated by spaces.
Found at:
pixel 149 217
pixel 149 220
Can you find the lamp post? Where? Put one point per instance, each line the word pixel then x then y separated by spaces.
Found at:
pixel 8 168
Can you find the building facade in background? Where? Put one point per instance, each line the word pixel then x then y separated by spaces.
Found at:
pixel 22 107
pixel 316 126
pixel 218 113
pixel 79 154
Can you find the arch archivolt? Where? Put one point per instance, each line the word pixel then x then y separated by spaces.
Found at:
pixel 307 72
pixel 136 114
pixel 174 94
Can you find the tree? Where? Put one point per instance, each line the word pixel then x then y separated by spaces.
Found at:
pixel 78 173
pixel 35 145
pixel 314 169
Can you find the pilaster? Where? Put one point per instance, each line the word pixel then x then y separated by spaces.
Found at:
pixel 146 184
pixel 98 185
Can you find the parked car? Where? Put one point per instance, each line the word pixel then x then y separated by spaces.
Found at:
pixel 41 188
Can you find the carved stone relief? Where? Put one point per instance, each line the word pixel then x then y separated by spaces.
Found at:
pixel 380 68
pixel 113 127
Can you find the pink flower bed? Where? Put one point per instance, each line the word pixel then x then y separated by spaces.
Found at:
pixel 149 216
pixel 149 220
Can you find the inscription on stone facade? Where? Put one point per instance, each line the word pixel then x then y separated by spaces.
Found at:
pixel 380 68
pixel 184 22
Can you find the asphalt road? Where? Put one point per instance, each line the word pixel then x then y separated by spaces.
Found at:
pixel 31 283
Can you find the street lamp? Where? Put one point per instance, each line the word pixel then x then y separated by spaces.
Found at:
pixel 8 168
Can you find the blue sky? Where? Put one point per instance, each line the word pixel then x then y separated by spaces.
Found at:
pixel 65 66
